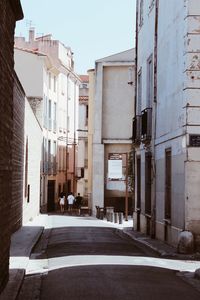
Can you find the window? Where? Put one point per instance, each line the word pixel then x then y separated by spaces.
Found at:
pixel 50 115
pixel 149 82
pixel 49 80
pixel 148 183
pixel 64 159
pixel 54 116
pixel 139 95
pixel 49 152
pixel 86 121
pixel 141 12
pixel 138 182
pixel 54 83
pixel 26 169
pixel 84 86
pixel 168 178
pixel 68 123
pixel 54 149
pixel 60 158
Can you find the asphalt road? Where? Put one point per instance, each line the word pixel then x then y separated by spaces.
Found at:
pixel 100 281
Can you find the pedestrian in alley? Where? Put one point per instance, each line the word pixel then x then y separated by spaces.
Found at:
pixel 70 200
pixel 78 202
pixel 62 202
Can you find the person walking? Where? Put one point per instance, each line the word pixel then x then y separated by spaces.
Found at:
pixel 78 202
pixel 70 200
pixel 62 203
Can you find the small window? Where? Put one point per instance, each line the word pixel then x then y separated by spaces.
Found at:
pixel 49 80
pixel 141 12
pixel 168 182
pixel 150 82
pixel 84 86
pixel 54 83
pixel 139 91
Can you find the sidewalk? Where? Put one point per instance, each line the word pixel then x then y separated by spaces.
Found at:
pixel 160 248
pixel 22 244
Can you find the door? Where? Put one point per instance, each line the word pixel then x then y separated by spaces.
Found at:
pixel 51 196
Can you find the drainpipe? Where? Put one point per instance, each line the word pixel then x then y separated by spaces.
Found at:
pixel 136 58
pixel 67 136
pixel 154 114
pixel 74 142
pixel 135 101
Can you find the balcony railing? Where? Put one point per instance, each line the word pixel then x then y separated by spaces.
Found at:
pixel 136 130
pixel 146 125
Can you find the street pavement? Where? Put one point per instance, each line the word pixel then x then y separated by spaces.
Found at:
pixel 85 258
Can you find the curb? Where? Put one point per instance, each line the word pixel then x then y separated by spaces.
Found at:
pixel 169 253
pixel 16 276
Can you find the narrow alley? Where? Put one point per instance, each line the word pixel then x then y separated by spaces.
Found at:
pixel 86 258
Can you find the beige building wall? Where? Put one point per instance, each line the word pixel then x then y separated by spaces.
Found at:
pixel 91 74
pixel 113 110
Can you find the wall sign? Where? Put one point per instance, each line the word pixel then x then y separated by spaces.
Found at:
pixel 194 140
pixel 114 166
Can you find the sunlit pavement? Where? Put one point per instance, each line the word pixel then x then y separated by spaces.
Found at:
pixel 33 266
pixel 86 246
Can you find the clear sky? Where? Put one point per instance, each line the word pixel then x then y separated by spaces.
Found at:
pixel 92 28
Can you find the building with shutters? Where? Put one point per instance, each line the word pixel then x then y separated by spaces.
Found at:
pixel 46 70
pixel 166 127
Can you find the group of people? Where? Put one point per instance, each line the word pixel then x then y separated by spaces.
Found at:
pixel 71 202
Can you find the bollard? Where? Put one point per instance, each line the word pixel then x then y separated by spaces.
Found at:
pixel 111 217
pixel 101 214
pixel 109 210
pixel 116 217
pixel 108 216
pixel 120 217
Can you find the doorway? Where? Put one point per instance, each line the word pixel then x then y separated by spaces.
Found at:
pixel 51 196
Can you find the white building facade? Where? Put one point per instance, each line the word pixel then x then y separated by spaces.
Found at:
pixel 82 164
pixel 166 125
pixel 45 69
pixel 32 160
pixel 113 108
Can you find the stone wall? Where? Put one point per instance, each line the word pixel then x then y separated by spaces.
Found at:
pixel 10 11
pixel 17 155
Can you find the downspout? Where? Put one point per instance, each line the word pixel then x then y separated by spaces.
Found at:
pixel 135 104
pixel 154 114
pixel 74 142
pixel 136 58
pixel 67 136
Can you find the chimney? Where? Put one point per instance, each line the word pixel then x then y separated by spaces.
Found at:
pixel 31 34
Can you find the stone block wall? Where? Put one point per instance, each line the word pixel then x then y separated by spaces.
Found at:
pixel 10 11
pixel 17 155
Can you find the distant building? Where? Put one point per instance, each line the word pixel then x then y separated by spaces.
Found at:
pixel 166 127
pixel 82 163
pixel 45 68
pixel 11 136
pixel 111 107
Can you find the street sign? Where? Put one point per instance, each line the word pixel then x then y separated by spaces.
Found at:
pixel 115 166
